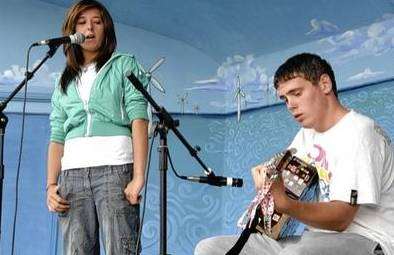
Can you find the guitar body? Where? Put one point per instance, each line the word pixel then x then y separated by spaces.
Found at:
pixel 297 177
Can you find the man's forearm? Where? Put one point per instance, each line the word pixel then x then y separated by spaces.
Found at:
pixel 334 215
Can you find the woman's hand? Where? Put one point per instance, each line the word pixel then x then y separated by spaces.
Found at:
pixel 133 189
pixel 54 202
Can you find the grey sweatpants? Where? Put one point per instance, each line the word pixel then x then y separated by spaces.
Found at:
pixel 311 243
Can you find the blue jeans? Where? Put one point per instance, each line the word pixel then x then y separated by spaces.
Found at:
pixel 98 207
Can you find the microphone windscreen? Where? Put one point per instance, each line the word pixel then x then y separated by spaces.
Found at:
pixel 77 38
pixel 237 182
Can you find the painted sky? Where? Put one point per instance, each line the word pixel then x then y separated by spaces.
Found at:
pixel 344 48
pixel 359 55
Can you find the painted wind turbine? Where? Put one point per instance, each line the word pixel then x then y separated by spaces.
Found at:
pixel 182 101
pixel 196 109
pixel 239 96
pixel 157 85
pixel 153 81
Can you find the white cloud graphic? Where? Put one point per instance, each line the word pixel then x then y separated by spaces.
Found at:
pixel 211 87
pixel 43 78
pixel 376 39
pixel 12 76
pixel 208 81
pixel 254 81
pixel 366 74
pixel 252 76
pixel 380 38
pixel 322 28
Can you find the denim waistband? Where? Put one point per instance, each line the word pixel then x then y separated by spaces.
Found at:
pixel 98 170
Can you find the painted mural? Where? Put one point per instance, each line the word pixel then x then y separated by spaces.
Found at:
pixel 366 51
pixel 217 81
pixel 359 56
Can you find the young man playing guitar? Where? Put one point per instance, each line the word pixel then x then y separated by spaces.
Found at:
pixel 354 210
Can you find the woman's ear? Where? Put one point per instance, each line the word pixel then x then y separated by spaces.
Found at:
pixel 325 83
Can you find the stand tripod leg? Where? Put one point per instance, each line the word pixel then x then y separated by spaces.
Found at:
pixel 3 124
pixel 163 166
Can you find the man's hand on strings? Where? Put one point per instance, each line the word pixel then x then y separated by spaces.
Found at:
pixel 281 200
pixel 259 174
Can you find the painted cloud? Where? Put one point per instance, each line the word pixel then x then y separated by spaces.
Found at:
pixel 376 39
pixel 253 78
pixel 322 28
pixel 43 78
pixel 12 76
pixel 366 74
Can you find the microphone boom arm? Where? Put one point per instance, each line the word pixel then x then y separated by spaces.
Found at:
pixel 168 121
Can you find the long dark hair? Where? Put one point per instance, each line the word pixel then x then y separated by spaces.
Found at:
pixel 73 52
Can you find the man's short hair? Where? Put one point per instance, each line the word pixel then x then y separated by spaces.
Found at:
pixel 305 65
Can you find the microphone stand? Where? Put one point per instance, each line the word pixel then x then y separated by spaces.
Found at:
pixel 166 122
pixel 4 118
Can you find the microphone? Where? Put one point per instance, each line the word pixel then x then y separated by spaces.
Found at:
pixel 215 180
pixel 76 38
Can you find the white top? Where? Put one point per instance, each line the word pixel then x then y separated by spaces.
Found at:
pixel 93 151
pixel 85 81
pixel 355 154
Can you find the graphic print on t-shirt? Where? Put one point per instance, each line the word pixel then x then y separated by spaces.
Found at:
pixel 318 158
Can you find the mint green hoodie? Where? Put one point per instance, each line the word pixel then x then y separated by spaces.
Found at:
pixel 113 104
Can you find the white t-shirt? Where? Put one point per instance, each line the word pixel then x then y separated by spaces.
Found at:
pixel 93 151
pixel 355 154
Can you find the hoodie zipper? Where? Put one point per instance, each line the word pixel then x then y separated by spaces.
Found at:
pixel 86 103
pixel 121 105
pixel 88 114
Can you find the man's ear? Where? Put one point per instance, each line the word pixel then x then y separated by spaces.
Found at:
pixel 325 83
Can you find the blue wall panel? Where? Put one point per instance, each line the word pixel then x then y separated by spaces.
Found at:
pixel 194 211
pixel 33 221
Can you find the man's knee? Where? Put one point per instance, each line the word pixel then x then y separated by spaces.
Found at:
pixel 297 250
pixel 217 245
pixel 202 247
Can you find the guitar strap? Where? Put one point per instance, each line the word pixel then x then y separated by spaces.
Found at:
pixel 243 238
